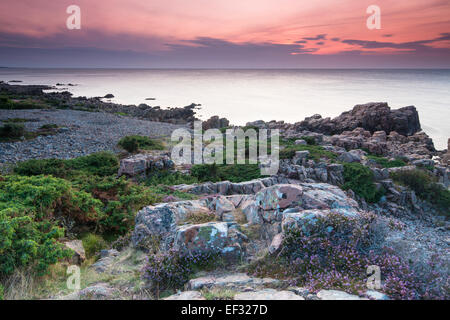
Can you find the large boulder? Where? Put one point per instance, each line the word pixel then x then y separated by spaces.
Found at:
pixel 140 164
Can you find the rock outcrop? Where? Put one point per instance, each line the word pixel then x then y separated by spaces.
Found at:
pixel 272 209
pixel 215 123
pixel 371 117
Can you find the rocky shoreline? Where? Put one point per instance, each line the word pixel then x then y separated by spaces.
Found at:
pixel 365 188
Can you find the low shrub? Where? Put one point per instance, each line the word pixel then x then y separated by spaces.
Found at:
pixel 233 172
pixel 360 179
pixel 12 130
pixel 2 292
pixel 425 187
pixel 101 164
pixel 134 143
pixel 170 178
pixel 49 126
pixel 5 103
pixel 31 212
pixel 93 244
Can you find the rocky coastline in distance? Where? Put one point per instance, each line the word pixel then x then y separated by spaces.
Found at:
pixel 368 184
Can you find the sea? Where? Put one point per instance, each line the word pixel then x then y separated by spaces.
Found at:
pixel 247 95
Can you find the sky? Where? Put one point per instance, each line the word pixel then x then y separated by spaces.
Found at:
pixel 225 34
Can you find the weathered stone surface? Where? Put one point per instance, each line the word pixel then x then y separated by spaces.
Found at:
pixel 230 281
pixel 376 295
pixel 351 156
pixel 186 295
pixel 336 295
pixel 211 236
pixel 105 261
pixel 99 291
pixel 276 243
pixel 279 196
pixel 230 188
pixel 79 253
pixel 300 142
pixel 268 294
pixel 162 219
pixel 268 208
pixel 141 163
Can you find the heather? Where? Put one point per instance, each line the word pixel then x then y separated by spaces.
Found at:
pixel 336 252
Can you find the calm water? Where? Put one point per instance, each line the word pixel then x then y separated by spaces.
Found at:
pixel 247 95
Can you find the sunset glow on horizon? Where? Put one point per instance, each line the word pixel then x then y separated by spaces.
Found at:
pixel 279 32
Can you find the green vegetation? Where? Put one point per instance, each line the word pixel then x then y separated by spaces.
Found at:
pixel 12 130
pixel 425 187
pixel 170 270
pixel 218 294
pixel 49 126
pixel 28 232
pixel 16 120
pixel 386 163
pixel 200 217
pixel 232 172
pixel 334 251
pixel 316 153
pixel 6 102
pixel 99 164
pixel 134 143
pixel 93 244
pixel 360 179
pixel 169 178
pixel 43 199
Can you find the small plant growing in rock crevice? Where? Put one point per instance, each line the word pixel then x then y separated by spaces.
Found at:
pixel 199 217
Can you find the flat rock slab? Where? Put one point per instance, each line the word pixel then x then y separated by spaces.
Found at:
pixel 186 295
pixel 230 281
pixel 336 295
pixel 268 294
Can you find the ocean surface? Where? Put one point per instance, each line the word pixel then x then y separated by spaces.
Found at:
pixel 248 95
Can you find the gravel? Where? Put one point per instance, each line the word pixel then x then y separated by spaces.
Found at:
pixel 82 133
